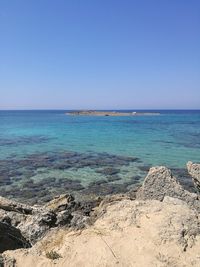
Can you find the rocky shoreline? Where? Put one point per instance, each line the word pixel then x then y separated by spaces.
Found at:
pixel 160 203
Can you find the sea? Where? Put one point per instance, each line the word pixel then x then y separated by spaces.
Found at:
pixel 47 153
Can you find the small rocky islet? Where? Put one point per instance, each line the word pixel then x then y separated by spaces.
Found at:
pixel 110 113
pixel 28 227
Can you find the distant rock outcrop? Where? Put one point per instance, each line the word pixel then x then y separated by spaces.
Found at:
pixel 160 182
pixel 194 171
pixel 110 113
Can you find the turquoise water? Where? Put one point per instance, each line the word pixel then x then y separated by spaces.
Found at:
pixel 27 137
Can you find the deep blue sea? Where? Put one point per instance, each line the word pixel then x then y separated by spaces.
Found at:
pixel 44 153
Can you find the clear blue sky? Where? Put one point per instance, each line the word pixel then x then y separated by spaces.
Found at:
pixel 100 54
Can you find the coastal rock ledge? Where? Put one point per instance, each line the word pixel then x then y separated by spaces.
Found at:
pixel 160 183
pixel 159 225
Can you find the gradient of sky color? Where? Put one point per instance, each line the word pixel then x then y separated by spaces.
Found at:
pixel 99 54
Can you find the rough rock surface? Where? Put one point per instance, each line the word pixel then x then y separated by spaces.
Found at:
pixel 34 222
pixel 128 233
pixel 159 225
pixel 7 261
pixel 11 238
pixel 35 227
pixel 10 205
pixel 160 183
pixel 194 171
pixel 61 203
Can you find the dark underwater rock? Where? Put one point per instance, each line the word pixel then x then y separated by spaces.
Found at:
pixel 69 184
pixel 96 183
pixel 16 173
pixel 113 178
pixel 5 180
pixel 144 168
pixel 184 179
pixel 105 189
pixel 108 171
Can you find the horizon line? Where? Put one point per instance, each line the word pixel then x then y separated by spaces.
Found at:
pixel 61 109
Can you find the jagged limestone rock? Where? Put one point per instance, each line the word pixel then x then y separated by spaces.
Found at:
pixel 35 226
pixel 10 205
pixel 61 203
pixel 160 182
pixel 34 222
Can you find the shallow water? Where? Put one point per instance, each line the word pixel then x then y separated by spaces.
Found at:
pixel 44 153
